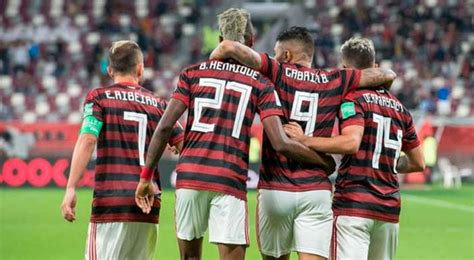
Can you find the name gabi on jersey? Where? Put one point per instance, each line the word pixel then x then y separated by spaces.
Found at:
pixel 306 76
pixel 131 96
pixel 383 101
pixel 236 68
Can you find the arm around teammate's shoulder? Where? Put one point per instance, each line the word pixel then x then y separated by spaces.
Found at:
pixel 239 52
pixel 376 77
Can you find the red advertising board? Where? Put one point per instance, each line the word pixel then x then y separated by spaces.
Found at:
pixel 38 155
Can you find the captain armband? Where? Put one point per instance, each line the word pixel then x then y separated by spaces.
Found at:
pixel 91 125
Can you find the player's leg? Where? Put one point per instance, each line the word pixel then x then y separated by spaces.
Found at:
pixel 231 252
pixel 283 257
pixel 192 215
pixel 140 241
pixel 275 217
pixel 351 238
pixel 190 249
pixel 228 226
pixel 383 241
pixel 313 225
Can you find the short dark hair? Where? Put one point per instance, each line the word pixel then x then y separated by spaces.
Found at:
pixel 358 53
pixel 124 56
pixel 300 34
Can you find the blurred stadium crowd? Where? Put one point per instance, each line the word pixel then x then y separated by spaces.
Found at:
pixel 52 52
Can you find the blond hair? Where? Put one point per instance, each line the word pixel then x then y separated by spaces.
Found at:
pixel 358 52
pixel 234 24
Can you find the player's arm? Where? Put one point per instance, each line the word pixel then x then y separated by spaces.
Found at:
pixel 144 194
pixel 178 147
pixel 239 52
pixel 81 156
pixel 347 142
pixel 376 77
pixel 412 161
pixel 292 149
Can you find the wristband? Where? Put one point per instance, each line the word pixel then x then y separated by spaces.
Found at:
pixel 146 173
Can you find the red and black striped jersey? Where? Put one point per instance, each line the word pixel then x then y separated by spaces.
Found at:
pixel 222 99
pixel 130 115
pixel 367 183
pixel 311 98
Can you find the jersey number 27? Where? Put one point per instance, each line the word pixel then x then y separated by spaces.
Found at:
pixel 216 103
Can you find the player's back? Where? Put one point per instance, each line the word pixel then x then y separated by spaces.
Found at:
pixel 367 184
pixel 222 100
pixel 312 98
pixel 129 114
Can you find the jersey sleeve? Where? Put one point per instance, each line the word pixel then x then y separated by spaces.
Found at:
pixel 92 106
pixel 270 67
pixel 350 79
pixel 183 91
pixel 410 138
pixel 267 104
pixel 351 113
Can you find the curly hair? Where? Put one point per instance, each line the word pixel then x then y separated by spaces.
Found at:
pixel 235 25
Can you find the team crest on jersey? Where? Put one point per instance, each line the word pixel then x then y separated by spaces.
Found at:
pixel 347 109
pixel 88 110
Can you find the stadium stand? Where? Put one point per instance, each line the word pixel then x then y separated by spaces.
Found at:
pixel 52 52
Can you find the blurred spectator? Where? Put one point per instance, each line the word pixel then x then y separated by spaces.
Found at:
pixel 423 40
pixel 20 58
pixel 44 55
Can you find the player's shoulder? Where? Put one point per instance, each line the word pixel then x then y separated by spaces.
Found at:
pixel 403 108
pixel 264 81
pixel 339 72
pixel 358 94
pixel 194 66
pixel 94 93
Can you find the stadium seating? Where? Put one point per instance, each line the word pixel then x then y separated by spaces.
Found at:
pixel 53 52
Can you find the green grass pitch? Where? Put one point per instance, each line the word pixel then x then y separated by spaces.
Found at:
pixel 435 224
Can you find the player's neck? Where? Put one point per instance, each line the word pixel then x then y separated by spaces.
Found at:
pixel 303 63
pixel 125 78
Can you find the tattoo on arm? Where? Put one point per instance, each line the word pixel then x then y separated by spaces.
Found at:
pixel 375 77
pixel 246 56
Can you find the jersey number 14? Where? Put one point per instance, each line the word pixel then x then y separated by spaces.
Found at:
pixel 383 136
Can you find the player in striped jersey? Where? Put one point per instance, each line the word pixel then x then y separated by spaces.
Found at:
pixel 375 128
pixel 303 219
pixel 120 119
pixel 222 98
